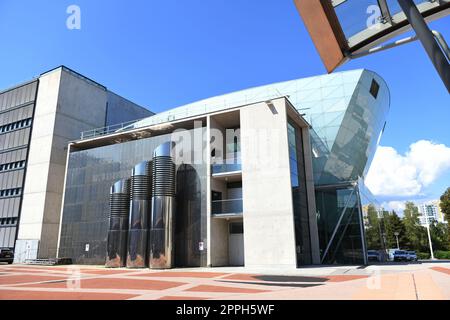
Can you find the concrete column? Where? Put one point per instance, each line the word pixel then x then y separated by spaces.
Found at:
pixel 269 233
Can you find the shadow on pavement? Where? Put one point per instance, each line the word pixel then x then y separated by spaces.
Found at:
pixel 290 278
pixel 276 284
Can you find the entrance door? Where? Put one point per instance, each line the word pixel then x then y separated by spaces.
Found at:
pixel 236 244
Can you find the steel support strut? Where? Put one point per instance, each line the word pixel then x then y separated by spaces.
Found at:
pixel 428 40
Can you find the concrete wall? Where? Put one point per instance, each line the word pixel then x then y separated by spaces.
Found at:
pixel 67 104
pixel 122 110
pixel 38 166
pixel 219 242
pixel 269 237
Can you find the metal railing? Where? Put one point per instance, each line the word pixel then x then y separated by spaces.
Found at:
pixel 97 132
pixel 183 113
pixel 227 207
pixel 225 168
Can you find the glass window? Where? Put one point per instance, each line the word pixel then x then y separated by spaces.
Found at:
pixel 299 197
pixel 236 228
pixel 374 88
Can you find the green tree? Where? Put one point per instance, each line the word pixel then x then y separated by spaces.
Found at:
pixel 445 205
pixel 392 225
pixel 416 235
pixel 440 236
pixel 373 229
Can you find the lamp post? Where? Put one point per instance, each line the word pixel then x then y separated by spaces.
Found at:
pixel 383 235
pixel 429 237
pixel 396 234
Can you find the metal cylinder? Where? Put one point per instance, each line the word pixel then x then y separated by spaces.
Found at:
pixel 163 206
pixel 118 224
pixel 139 220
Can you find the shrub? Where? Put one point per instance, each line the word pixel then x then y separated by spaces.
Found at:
pixel 442 255
pixel 423 255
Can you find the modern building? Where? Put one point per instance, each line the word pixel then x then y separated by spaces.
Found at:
pixel 265 177
pixel 430 213
pixel 37 121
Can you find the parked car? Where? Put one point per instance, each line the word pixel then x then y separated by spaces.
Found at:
pixel 391 254
pixel 373 255
pixel 400 255
pixel 412 256
pixel 6 255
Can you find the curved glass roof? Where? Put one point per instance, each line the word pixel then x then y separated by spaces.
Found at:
pixel 346 115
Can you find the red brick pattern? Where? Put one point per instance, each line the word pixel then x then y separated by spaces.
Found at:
pixel 242 277
pixel 209 288
pixel 12 280
pixel 112 283
pixel 172 274
pixel 343 278
pixel 106 271
pixel 97 283
pixel 443 270
pixel 181 298
pixel 45 295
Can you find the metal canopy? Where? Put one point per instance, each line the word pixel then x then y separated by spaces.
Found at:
pixel 342 28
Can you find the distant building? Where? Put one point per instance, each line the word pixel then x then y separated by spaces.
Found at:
pixel 365 212
pixel 432 212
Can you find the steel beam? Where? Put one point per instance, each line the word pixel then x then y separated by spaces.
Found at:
pixel 428 40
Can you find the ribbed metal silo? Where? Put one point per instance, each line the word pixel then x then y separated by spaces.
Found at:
pixel 139 220
pixel 163 207
pixel 118 224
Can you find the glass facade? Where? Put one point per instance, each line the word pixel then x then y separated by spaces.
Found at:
pixel 346 118
pixel 91 173
pixel 16 114
pixel 377 237
pixel 340 227
pixel 299 195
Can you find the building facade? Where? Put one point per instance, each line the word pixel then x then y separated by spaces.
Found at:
pixel 282 189
pixel 37 121
pixel 217 188
pixel 17 107
pixel 431 213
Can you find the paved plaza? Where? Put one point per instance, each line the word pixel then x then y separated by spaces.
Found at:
pixel 419 281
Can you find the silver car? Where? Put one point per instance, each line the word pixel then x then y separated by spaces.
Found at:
pixel 400 255
pixel 411 256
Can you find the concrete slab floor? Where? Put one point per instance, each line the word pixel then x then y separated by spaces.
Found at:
pixel 417 281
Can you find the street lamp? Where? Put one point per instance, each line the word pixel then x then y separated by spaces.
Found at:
pixel 429 237
pixel 396 234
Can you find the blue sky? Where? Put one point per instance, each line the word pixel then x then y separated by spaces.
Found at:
pixel 166 53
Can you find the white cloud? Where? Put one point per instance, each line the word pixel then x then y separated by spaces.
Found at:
pixel 398 206
pixel 396 175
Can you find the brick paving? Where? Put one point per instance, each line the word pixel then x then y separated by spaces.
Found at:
pixel 391 282
pixel 443 270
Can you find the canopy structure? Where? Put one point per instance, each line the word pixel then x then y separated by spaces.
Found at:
pixel 341 29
